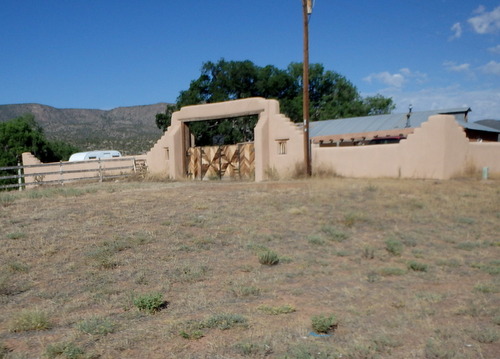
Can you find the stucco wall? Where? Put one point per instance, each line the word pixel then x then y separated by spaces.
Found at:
pixel 66 171
pixel 438 149
pixel 484 154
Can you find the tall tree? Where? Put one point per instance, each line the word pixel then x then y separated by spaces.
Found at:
pixel 331 94
pixel 23 134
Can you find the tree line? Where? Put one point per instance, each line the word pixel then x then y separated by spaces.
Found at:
pixel 332 96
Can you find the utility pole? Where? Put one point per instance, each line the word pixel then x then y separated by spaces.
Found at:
pixel 307 11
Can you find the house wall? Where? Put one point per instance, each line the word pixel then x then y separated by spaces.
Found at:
pixel 438 149
pixel 167 157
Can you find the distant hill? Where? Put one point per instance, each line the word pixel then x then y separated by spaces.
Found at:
pixel 490 123
pixel 131 130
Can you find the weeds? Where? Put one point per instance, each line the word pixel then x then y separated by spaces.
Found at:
pixel 485 335
pixel 394 247
pixel 438 350
pixel 189 273
pixel 324 324
pixel 6 199
pixel 253 349
pixel 65 350
pixel 28 320
pixel 150 303
pixel 316 240
pixel 225 321
pixel 390 271
pixel 96 326
pixel 18 267
pixel 282 309
pixel 192 330
pixel 417 266
pixel 368 252
pixel 269 258
pixel 352 218
pixel 486 288
pixel 16 235
pixel 334 234
pixel 240 291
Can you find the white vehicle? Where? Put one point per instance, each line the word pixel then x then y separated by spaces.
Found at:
pixel 94 155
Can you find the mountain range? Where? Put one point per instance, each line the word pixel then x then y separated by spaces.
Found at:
pixel 131 130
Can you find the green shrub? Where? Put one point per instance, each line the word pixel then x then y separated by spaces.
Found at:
pixel 368 252
pixel 192 330
pixel 486 288
pixel 334 234
pixel 269 258
pixel 245 291
pixel 324 324
pixel 485 335
pixel 438 350
pixel 283 309
pixel 351 218
pixel 388 271
pixel 189 274
pixel 96 326
pixel 394 247
pixel 66 350
pixel 225 321
pixel 417 266
pixel 316 240
pixel 256 350
pixel 151 303
pixel 27 320
pixel 16 235
pixel 18 267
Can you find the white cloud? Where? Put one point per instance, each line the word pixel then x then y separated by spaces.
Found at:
pixel 396 80
pixel 495 49
pixel 457 31
pixel 452 66
pixel 492 68
pixel 485 22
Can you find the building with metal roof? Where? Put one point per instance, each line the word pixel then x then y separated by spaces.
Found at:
pixel 359 130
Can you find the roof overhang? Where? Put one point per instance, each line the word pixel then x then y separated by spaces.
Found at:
pixel 361 136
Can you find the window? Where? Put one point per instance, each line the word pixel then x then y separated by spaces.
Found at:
pixel 282 147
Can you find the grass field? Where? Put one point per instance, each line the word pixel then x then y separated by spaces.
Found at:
pixel 320 268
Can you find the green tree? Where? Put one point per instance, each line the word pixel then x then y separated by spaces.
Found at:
pixel 331 96
pixel 23 134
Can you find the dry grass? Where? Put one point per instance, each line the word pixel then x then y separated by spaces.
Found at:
pixel 354 249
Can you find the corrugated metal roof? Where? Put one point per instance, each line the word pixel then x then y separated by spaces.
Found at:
pixel 386 122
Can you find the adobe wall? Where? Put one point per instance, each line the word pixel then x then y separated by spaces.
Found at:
pixel 167 156
pixel 484 154
pixel 65 171
pixel 438 149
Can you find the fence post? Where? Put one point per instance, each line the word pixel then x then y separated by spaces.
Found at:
pixel 100 170
pixel 61 177
pixel 19 173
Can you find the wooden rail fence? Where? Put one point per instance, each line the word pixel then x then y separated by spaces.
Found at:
pixel 60 173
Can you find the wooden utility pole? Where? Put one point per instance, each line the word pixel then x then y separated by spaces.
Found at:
pixel 307 10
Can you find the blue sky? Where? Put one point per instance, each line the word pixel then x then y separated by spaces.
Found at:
pixel 102 54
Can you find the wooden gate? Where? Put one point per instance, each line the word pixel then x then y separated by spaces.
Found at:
pixel 221 162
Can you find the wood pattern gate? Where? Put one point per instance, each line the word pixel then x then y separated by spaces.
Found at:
pixel 221 162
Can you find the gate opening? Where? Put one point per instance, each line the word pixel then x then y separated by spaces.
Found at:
pixel 221 148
